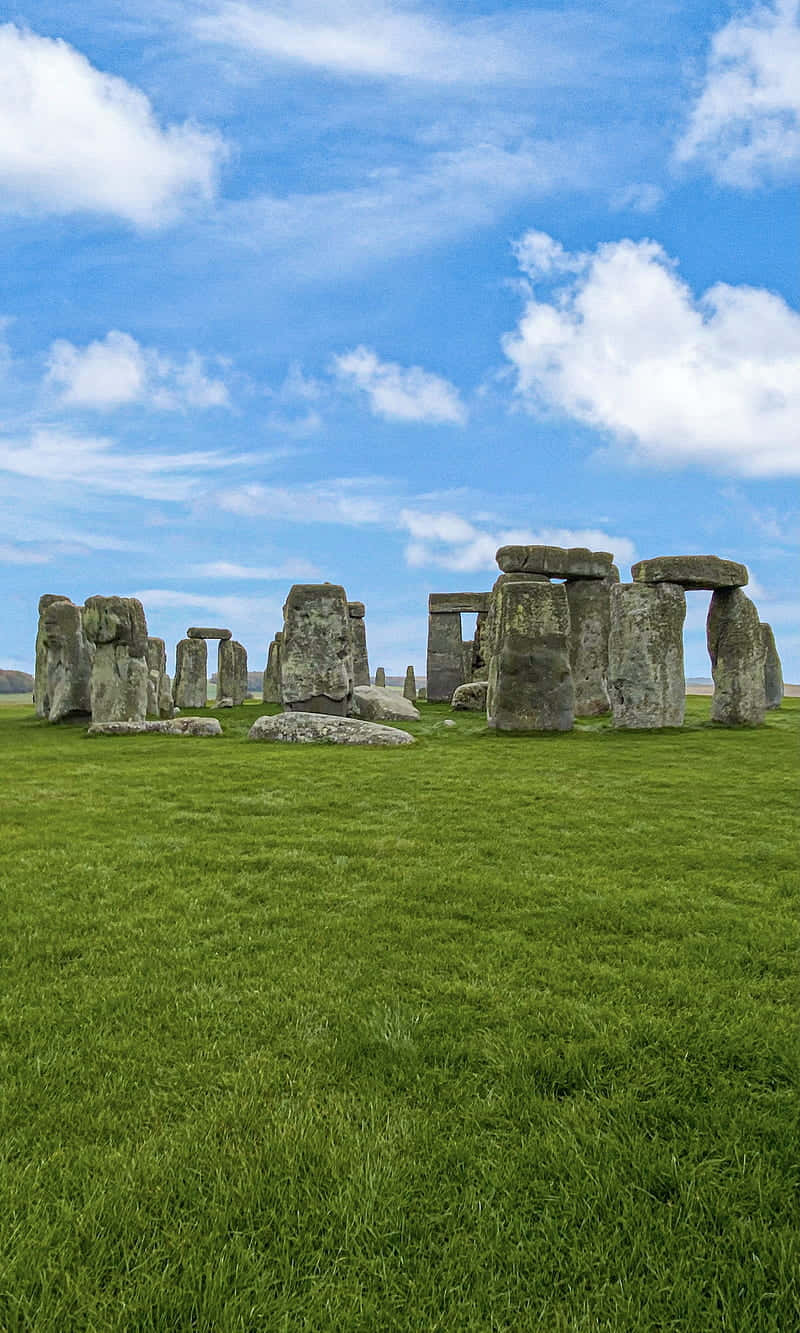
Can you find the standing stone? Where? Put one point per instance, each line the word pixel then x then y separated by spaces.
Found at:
pixel 358 636
pixel 232 671
pixel 190 686
pixel 773 673
pixel 68 661
pixel 589 603
pixel 738 654
pixel 479 667
pixel 488 627
pixel 316 653
pixel 445 667
pixel 40 696
pixel 380 678
pixel 410 685
pixel 646 684
pixel 271 685
pixel 118 629
pixel 530 683
pixel 159 692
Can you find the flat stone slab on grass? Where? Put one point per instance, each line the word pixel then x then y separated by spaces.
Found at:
pixel 698 573
pixel 556 562
pixel 176 726
pixel 470 697
pixel 373 704
pixel 323 728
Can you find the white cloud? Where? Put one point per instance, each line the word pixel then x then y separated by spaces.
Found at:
pixel 350 501
pixel 290 569
pixel 73 138
pixel 116 370
pixel 12 554
pixel 641 197
pixel 450 542
pixel 624 347
pixel 397 393
pixel 745 125
pixel 255 615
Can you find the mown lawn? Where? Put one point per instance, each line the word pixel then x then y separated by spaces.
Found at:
pixel 490 1033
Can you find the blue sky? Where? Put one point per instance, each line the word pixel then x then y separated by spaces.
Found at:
pixel 299 290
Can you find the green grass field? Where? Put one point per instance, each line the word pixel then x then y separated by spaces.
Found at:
pixel 493 1033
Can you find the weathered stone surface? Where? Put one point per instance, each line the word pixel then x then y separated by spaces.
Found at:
pixel 738 656
pixel 40 697
pixel 202 632
pixel 373 704
pixel 557 562
pixel 159 691
pixel 471 697
pixel 469 602
pixel 358 640
pixel 696 572
pixel 422 693
pixel 589 602
pixel 530 684
pixel 271 686
pixel 773 672
pixel 380 678
pixel 118 629
pixel 479 667
pixel 445 667
pixel 317 652
pixel 232 672
pixel 410 685
pixel 166 705
pixel 315 728
pixel 646 684
pixel 176 726
pixel 488 626
pixel 68 661
pixel 190 686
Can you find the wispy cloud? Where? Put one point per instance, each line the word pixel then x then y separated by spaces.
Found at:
pixel 73 138
pixel 117 370
pixel 289 569
pixel 399 393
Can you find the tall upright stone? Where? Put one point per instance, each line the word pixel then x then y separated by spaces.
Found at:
pixel 69 657
pixel 738 655
pixel 232 671
pixel 646 683
pixel 271 684
pixel 190 686
pixel 380 678
pixel 773 672
pixel 530 683
pixel 118 629
pixel 410 685
pixel 316 653
pixel 41 699
pixel 159 690
pixel 445 667
pixel 590 620
pixel 488 629
pixel 358 635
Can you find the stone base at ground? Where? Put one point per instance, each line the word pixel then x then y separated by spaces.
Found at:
pixel 176 726
pixel 471 697
pixel 316 728
pixel 373 704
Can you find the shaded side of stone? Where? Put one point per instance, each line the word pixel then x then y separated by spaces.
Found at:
pixel 589 603
pixel 358 639
pixel 738 655
pixel 380 678
pixel 314 728
pixel 159 690
pixel 410 685
pixel 271 684
pixel 68 661
pixel 479 666
pixel 556 562
pixel 316 653
pixel 190 686
pixel 445 664
pixel 696 572
pixel 773 672
pixel 646 682
pixel 530 682
pixel 232 671
pixel 41 698
pixel 470 697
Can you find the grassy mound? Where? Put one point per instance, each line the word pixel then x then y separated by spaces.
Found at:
pixel 489 1033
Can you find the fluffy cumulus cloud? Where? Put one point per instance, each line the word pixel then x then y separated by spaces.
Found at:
pixel 399 393
pixel 73 138
pixel 447 541
pixel 622 345
pixel 116 370
pixel 745 124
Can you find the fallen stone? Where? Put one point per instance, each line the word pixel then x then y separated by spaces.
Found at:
pixel 316 652
pixel 773 672
pixel 201 632
pixel 738 658
pixel 470 697
pixel 556 562
pixel 316 728
pixel 373 704
pixel 68 660
pixel 118 629
pixel 646 684
pixel 190 686
pixel 183 726
pixel 696 572
pixel 530 683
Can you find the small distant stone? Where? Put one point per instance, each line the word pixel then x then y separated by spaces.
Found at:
pixel 325 728
pixel 373 704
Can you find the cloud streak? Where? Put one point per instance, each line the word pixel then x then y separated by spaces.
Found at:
pixel 397 393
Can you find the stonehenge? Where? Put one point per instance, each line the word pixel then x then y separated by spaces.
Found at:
pixel 646 683
pixel 738 653
pixel 316 652
pixel 118 629
pixel 450 658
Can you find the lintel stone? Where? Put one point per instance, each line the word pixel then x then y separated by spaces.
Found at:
pixel 698 573
pixel 468 602
pixel 201 632
pixel 556 562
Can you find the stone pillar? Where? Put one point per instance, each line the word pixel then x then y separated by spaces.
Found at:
pixel 68 661
pixel 646 684
pixel 410 685
pixel 445 655
pixel 773 673
pixel 358 635
pixel 232 672
pixel 488 636
pixel 190 686
pixel 271 685
pixel 159 690
pixel 317 653
pixel 589 603
pixel 118 629
pixel 380 678
pixel 530 684
pixel 738 656
pixel 40 696
pixel 480 666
